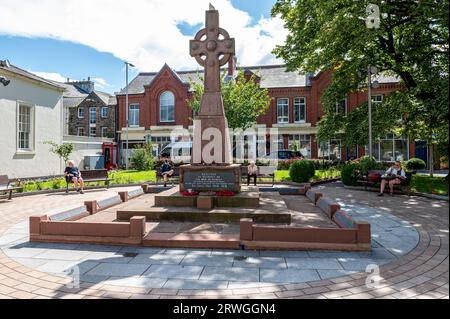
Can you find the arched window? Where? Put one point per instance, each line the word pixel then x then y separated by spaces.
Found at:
pixel 167 107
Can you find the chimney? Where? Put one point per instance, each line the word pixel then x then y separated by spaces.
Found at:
pixel 232 66
pixel 87 86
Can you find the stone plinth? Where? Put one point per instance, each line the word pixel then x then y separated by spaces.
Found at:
pixel 213 178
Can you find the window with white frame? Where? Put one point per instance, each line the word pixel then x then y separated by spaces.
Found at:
pixel 300 143
pixel 331 150
pixel 134 115
pixel 105 111
pixel 80 131
pixel 92 115
pixel 81 112
pixel 391 148
pixel 92 131
pixel 300 109
pixel 342 107
pixel 377 99
pixel 167 107
pixel 283 110
pixel 25 128
pixel 105 132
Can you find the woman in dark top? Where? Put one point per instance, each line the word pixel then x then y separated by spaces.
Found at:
pixel 166 171
pixel 73 175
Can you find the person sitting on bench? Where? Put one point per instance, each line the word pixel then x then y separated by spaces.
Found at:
pixel 73 175
pixel 395 175
pixel 252 172
pixel 166 171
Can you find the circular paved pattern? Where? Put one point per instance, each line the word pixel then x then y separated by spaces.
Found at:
pixel 155 273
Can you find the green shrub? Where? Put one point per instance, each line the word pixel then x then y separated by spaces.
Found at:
pixel 415 164
pixel 302 171
pixel 56 184
pixel 141 160
pixel 367 163
pixel 350 174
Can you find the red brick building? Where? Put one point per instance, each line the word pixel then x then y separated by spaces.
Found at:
pixel 158 105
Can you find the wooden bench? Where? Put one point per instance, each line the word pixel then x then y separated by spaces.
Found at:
pixel 5 187
pixel 99 175
pixel 159 175
pixel 263 172
pixel 405 186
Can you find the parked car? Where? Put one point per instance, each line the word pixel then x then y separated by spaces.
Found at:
pixel 178 152
pixel 284 155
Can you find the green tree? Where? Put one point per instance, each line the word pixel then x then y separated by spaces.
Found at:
pixel 244 100
pixel 410 42
pixel 63 151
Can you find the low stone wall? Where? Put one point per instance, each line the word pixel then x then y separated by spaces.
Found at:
pixel 42 229
pixel 65 227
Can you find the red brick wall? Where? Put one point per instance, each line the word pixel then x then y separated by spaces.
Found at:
pixel 167 80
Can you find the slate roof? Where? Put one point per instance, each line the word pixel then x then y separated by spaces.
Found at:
pixel 272 76
pixel 16 70
pixel 73 96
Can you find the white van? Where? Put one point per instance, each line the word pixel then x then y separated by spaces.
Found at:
pixel 178 152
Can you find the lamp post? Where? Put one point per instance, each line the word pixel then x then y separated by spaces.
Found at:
pixel 127 116
pixel 371 70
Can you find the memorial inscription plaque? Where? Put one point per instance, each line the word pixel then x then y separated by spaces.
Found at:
pixel 210 178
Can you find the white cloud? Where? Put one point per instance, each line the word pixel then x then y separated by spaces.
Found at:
pixel 141 31
pixel 101 83
pixel 50 76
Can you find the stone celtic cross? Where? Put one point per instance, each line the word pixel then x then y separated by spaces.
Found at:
pixel 212 48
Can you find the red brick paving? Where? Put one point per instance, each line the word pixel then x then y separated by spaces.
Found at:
pixel 422 274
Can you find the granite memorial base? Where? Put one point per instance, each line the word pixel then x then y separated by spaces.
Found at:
pixel 210 178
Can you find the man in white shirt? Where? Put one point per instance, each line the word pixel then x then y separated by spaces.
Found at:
pixel 395 175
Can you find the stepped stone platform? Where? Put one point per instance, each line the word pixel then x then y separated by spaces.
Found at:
pixel 248 199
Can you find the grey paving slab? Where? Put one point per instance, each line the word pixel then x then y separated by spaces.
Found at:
pixel 284 254
pixel 60 266
pixel 332 273
pixel 231 274
pixel 70 255
pixel 381 253
pixel 118 270
pixel 288 275
pixel 195 284
pixel 143 250
pixel 9 239
pixel 199 260
pixel 313 263
pixel 195 252
pixel 30 262
pixel 236 253
pixel 107 257
pixel 23 252
pixel 136 281
pixel 174 271
pixel 361 264
pixel 157 259
pixel 261 262
pixel 93 279
pixel 98 248
pixel 337 254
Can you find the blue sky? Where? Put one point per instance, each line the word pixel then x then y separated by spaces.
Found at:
pixel 99 55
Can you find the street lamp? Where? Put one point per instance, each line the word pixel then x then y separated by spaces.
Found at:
pixel 127 116
pixel 4 81
pixel 371 70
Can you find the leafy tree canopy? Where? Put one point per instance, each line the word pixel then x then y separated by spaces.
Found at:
pixel 410 42
pixel 244 100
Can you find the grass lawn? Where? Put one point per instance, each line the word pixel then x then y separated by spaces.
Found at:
pixel 430 185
